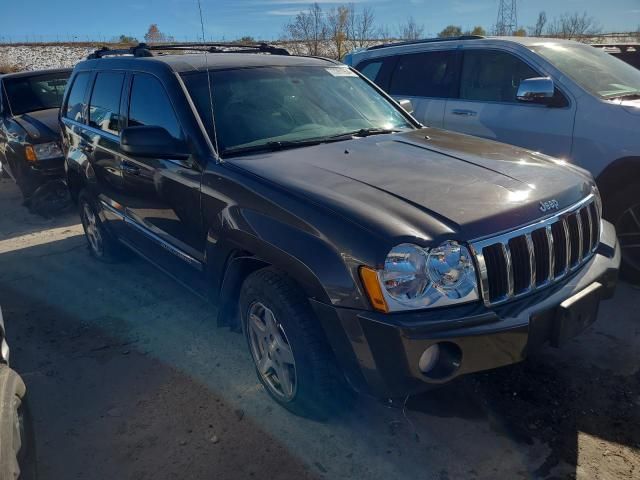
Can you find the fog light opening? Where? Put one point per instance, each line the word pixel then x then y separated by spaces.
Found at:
pixel 440 360
pixel 429 358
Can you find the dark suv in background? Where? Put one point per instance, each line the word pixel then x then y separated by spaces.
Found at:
pixel 30 150
pixel 345 241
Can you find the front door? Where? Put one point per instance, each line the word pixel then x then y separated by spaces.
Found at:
pixel 163 195
pixel 487 105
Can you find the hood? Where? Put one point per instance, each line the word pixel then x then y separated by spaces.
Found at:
pixel 41 125
pixel 426 184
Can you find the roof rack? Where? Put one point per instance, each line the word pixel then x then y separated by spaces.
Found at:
pixel 426 40
pixel 145 50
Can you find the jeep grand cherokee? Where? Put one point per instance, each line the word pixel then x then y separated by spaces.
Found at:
pixel 348 244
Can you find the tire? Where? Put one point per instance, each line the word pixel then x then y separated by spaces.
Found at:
pixel 17 447
pixel 292 358
pixel 622 209
pixel 102 245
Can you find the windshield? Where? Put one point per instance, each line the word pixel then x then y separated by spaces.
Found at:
pixel 593 69
pixel 263 106
pixel 40 92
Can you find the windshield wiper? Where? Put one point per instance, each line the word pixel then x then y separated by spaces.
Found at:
pixel 626 96
pixel 271 146
pixel 286 144
pixel 364 132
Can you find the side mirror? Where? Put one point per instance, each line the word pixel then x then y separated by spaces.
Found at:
pixel 152 141
pixel 536 90
pixel 406 105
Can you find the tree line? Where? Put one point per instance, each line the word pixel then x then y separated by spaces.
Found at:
pixel 340 29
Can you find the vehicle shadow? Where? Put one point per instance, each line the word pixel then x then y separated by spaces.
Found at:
pixel 552 416
pixel 51 208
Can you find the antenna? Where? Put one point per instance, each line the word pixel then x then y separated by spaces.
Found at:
pixel 206 67
pixel 507 21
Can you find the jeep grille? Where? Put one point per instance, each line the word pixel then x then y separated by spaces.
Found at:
pixel 522 261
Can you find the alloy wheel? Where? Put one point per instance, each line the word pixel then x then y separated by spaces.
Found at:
pixel 271 352
pixel 628 228
pixel 92 229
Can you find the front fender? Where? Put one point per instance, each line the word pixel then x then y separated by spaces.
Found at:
pixel 322 271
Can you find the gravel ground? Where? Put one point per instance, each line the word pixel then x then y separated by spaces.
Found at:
pixel 128 378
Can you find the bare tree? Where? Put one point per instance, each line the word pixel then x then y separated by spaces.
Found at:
pixel 573 26
pixel 536 31
pixel 411 30
pixel 309 29
pixel 337 27
pixel 361 27
pixel 384 33
pixel 521 32
pixel 451 31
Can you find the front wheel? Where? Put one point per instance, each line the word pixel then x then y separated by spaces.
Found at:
pixel 292 358
pixel 624 212
pixel 102 245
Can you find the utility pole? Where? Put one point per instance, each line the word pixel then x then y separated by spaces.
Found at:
pixel 507 21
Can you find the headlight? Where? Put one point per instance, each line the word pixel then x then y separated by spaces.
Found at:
pixel 414 277
pixel 43 151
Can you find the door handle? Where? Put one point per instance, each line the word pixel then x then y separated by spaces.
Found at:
pixel 464 113
pixel 130 168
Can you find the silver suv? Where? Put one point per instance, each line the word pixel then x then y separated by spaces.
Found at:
pixel 559 97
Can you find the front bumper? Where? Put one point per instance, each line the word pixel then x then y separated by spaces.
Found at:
pixel 379 353
pixel 49 169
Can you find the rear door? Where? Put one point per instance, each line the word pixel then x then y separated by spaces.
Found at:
pixel 428 79
pixel 487 105
pixel 163 195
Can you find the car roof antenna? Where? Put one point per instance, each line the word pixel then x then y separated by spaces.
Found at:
pixel 206 67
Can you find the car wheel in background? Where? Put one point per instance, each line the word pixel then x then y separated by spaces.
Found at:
pixel 17 445
pixel 102 245
pixel 290 353
pixel 623 210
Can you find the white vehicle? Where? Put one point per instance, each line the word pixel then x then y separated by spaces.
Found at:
pixel 558 97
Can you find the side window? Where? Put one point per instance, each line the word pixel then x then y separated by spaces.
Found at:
pixel 370 69
pixel 429 74
pixel 492 76
pixel 104 106
pixel 150 105
pixel 74 109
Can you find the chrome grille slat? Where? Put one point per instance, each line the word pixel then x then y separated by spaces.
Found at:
pixel 552 255
pixel 580 240
pixel 532 261
pixel 567 243
pixel 506 251
pixel 529 258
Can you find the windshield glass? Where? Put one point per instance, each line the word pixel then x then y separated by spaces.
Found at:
pixel 593 69
pixel 256 107
pixel 28 94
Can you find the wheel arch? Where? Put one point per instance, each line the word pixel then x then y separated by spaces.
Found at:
pixel 239 255
pixel 617 173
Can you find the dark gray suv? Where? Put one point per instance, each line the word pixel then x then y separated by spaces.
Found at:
pixel 347 243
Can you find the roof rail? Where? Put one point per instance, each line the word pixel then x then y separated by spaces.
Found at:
pixel 426 40
pixel 145 50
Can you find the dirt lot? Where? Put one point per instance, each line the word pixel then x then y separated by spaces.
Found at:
pixel 128 378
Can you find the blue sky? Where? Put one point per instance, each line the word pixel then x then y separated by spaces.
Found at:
pixel 229 19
